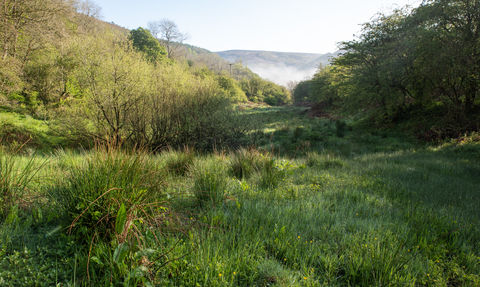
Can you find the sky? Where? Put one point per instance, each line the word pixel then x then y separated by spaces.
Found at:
pixel 306 26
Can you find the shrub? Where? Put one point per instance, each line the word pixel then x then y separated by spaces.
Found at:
pixel 298 132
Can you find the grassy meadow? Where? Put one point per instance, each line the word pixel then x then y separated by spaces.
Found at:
pixel 310 202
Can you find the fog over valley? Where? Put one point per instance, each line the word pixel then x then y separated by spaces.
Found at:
pixel 279 67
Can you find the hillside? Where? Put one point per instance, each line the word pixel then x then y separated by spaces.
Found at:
pixel 280 67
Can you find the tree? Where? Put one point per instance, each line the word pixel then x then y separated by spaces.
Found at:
pixel 143 41
pixel 86 13
pixel 230 87
pixel 26 26
pixel 169 33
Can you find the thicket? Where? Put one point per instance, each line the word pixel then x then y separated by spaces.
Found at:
pixel 421 63
pixel 260 90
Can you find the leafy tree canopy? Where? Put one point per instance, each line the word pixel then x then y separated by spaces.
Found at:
pixel 143 40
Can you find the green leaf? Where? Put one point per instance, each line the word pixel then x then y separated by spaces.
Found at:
pixel 121 219
pixel 139 272
pixel 144 252
pixel 96 260
pixel 120 253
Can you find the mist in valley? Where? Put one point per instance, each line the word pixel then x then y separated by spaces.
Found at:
pixel 282 75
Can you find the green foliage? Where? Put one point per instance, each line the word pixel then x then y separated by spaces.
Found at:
pixel 230 87
pixel 364 209
pixel 143 41
pixel 272 172
pixel 257 89
pixel 302 92
pixel 403 63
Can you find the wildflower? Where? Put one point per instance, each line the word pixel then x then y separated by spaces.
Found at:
pixel 234 273
pixel 220 274
pixel 304 278
pixel 299 237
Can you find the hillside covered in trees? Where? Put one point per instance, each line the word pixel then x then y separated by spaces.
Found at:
pixel 96 81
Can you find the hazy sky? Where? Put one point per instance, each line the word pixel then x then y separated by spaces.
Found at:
pixel 310 26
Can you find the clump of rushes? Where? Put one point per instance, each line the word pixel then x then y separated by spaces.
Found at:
pixel 210 181
pixel 244 162
pixel 272 172
pixel 93 191
pixel 179 162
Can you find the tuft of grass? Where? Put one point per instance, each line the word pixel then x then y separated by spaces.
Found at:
pixel 244 162
pixel 210 180
pixel 179 162
pixel 93 191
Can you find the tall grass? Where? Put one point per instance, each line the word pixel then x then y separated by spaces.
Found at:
pixel 15 177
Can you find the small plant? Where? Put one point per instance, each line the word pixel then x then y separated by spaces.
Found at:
pixel 273 172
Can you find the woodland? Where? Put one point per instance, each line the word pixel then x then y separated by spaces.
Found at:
pixel 130 158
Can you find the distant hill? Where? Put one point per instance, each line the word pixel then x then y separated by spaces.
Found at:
pixel 280 67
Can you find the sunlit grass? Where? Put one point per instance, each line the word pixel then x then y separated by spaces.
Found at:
pixel 364 210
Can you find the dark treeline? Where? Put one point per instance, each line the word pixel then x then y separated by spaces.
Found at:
pixel 93 81
pixel 421 63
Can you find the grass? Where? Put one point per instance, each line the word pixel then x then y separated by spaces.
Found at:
pixel 307 206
